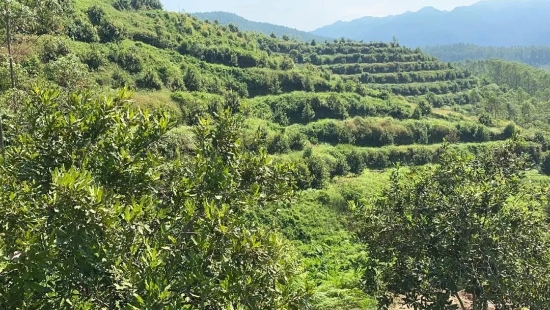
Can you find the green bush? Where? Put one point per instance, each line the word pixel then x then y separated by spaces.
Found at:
pixel 193 80
pixel 171 77
pixel 355 162
pixel 462 200
pixel 341 168
pixel 297 141
pixel 425 107
pixel 545 163
pixel 19 74
pixel 80 29
pixel 121 79
pixel 149 79
pixel 94 58
pixel 127 58
pixel 54 48
pixel 509 131
pixel 196 104
pixel 32 66
pixel 96 15
pixel 319 171
pixel 137 5
pixel 68 71
pixel 279 144
pixel 177 141
pixel 302 175
pixel 110 31
pixel 486 119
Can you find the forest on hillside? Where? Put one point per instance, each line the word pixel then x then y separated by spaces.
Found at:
pixel 225 18
pixel 152 160
pixel 537 56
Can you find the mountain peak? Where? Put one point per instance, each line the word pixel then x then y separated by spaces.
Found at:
pixel 492 22
pixel 429 9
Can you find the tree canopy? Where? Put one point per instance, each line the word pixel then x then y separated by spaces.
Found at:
pixel 469 224
pixel 93 217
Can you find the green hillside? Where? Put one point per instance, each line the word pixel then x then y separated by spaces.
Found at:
pixel 225 18
pixel 537 56
pixel 234 190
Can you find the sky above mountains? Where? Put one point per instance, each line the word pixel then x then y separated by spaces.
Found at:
pixel 309 14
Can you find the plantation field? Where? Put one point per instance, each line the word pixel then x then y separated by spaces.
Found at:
pixel 241 162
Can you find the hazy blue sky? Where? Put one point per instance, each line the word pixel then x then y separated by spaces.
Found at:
pixel 309 14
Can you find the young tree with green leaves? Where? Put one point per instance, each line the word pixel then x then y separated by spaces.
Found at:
pixel 466 224
pixel 94 217
pixel 28 17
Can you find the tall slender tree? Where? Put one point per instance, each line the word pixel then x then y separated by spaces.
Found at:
pixel 28 17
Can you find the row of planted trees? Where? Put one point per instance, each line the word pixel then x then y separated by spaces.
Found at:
pixel 388 67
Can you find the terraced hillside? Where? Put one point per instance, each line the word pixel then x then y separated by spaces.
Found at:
pixel 388 67
pixel 340 112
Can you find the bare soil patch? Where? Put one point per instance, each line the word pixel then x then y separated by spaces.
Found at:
pixel 466 300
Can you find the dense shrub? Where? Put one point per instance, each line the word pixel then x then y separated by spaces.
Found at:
pixel 137 5
pixel 177 141
pixel 107 30
pixel 127 58
pixel 463 200
pixel 303 107
pixel 121 79
pixel 303 175
pixel 545 163
pixel 94 58
pixel 509 131
pixel 485 119
pixel 319 171
pixel 96 15
pixel 110 31
pixel 340 168
pixel 193 80
pixel 279 144
pixel 80 29
pixel 149 79
pixel 159 40
pixel 171 77
pixel 53 48
pixel 297 140
pixel 68 71
pixel 196 104
pixel 355 162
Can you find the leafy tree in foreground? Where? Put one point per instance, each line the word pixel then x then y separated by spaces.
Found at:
pixel 468 224
pixel 92 217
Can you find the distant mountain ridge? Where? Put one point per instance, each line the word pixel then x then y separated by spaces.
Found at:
pixel 486 23
pixel 226 18
pixel 537 56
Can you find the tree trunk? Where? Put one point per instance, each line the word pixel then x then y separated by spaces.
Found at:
pixel 2 147
pixel 8 41
pixel 460 301
pixel 12 75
